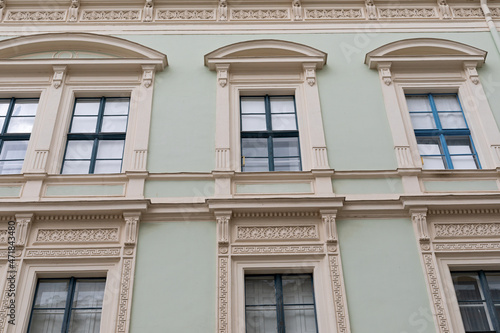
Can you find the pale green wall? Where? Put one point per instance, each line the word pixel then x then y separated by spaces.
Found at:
pixel 179 188
pixel 174 286
pixel 368 186
pixel 274 188
pixel 384 280
pixel 357 131
pixel 457 186
pixel 10 191
pixel 78 190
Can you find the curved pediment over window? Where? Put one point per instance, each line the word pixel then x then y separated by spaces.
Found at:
pixel 419 52
pixel 265 52
pixel 67 47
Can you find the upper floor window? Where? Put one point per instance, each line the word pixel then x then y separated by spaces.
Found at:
pixel 275 303
pixel 443 136
pixel 96 138
pixel 67 305
pixel 17 116
pixel 269 134
pixel 478 295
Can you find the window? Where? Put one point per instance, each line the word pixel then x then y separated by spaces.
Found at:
pixel 17 116
pixel 96 138
pixel 478 295
pixel 269 134
pixel 275 303
pixel 67 305
pixel 443 137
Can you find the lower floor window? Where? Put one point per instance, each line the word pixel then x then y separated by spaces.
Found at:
pixel 67 305
pixel 279 303
pixel 478 295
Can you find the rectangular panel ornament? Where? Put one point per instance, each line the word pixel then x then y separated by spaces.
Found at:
pixel 77 235
pixel 417 13
pixel 111 15
pixel 35 16
pixel 277 232
pixel 333 14
pixel 186 15
pixel 260 14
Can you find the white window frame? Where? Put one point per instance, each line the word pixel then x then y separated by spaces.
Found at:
pixel 439 66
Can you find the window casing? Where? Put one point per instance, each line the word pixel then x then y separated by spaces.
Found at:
pixel 280 302
pixel 269 134
pixel 17 116
pixel 443 137
pixel 478 296
pixel 96 137
pixel 67 305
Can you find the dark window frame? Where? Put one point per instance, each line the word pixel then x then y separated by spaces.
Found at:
pixel 269 133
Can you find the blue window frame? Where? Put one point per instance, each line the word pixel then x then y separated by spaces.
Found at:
pixel 96 138
pixel 67 305
pixel 478 295
pixel 17 116
pixel 443 137
pixel 269 134
pixel 280 302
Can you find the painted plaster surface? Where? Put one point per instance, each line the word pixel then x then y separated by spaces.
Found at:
pixel 384 281
pixel 77 190
pixel 10 191
pixel 274 188
pixel 189 188
pixel 174 287
pixel 368 186
pixel 460 186
pixel 356 127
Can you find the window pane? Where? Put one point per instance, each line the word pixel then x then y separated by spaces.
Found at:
pixel 253 105
pixel 458 145
pixel 25 107
pixel 446 103
pixel 13 150
pixel 494 285
pixel 85 321
pixel 87 107
pixel 84 125
pixel 433 162
pixel 79 149
pixel 110 149
pixel 10 167
pixel 418 103
pixel 116 106
pixel 452 120
pixel 475 317
pixel 259 290
pixel 108 166
pixel 283 147
pixel 297 289
pixel 464 162
pixel 253 123
pixel 287 164
pixel 254 147
pixel 429 146
pixel 46 321
pixel 284 122
pixel 4 107
pixel 51 294
pixel 256 165
pixel 467 286
pixel 20 124
pixel 422 120
pixel 261 320
pixel 89 293
pixel 300 319
pixel 282 104
pixel 76 167
pixel 114 124
pixel 2 121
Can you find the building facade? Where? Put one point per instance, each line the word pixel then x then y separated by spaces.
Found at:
pixel 250 166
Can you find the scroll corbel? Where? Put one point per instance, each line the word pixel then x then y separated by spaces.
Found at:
pixel 131 227
pixel 147 75
pixel 330 225
pixel 58 77
pixel 222 74
pixel 419 218
pixel 385 73
pixel 23 225
pixel 371 10
pixel 471 71
pixel 148 11
pixel 310 73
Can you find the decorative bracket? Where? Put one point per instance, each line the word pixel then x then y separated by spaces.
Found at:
pixel 148 11
pixel 222 74
pixel 385 73
pixel 419 218
pixel 23 224
pixel 371 10
pixel 223 219
pixel 471 71
pixel 310 73
pixel 444 9
pixel 2 7
pixel 131 227
pixel 329 221
pixel 59 73
pixel 147 75
pixel 73 10
pixel 297 10
pixel 222 10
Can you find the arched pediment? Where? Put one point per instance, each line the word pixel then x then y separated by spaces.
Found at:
pixel 425 50
pixel 265 52
pixel 77 46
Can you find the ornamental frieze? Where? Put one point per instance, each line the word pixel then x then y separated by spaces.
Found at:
pixel 277 232
pixel 77 235
pixel 467 229
pixel 331 14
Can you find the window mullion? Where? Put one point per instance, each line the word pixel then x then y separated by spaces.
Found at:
pixel 489 302
pixel 280 313
pixel 8 115
pixel 446 151
pixel 269 128
pixel 69 301
pixel 434 112
pixel 94 155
